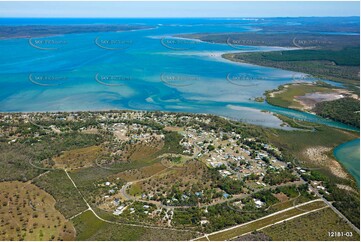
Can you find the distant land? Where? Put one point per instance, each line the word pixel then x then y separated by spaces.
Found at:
pixel 321 54
pixel 28 31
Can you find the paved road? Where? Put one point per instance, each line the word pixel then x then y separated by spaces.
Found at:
pixel 270 215
pixel 335 210
pixel 284 220
pixel 321 198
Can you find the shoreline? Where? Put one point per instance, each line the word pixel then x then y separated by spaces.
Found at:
pixel 355 178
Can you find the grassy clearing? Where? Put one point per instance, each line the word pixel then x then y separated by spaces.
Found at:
pixel 77 158
pixel 141 173
pixel 290 203
pixel 252 226
pixel 173 128
pixel 135 190
pixel 88 227
pixel 143 152
pixel 284 205
pixel 304 228
pixel 28 213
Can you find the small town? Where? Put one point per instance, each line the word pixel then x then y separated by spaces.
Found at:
pixel 184 164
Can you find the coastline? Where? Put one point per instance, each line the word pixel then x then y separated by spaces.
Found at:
pixel 340 161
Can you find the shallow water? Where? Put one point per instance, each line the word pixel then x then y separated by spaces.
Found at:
pixel 140 70
pixel 349 155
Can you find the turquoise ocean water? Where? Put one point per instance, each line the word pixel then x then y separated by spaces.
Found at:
pixel 349 155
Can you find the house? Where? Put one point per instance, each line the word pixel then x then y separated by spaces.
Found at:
pixel 204 221
pixel 215 164
pixel 226 195
pixel 321 188
pixel 258 203
pixel 116 202
pixel 119 210
pixel 225 173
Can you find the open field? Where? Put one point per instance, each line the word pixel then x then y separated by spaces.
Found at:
pixel 144 172
pixel 28 213
pixel 271 219
pixel 144 152
pixel 77 158
pixel 305 228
